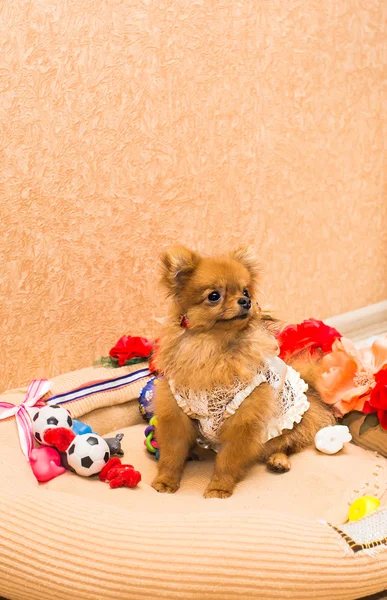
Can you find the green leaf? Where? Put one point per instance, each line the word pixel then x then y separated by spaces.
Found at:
pixel 371 420
pixel 112 363
pixel 106 361
pixel 134 361
pixel 351 417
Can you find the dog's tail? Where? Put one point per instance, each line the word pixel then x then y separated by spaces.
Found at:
pixel 309 367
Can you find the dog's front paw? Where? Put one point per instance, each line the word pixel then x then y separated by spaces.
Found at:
pixel 165 485
pixel 278 463
pixel 211 493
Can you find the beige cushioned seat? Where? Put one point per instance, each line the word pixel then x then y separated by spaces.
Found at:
pixel 75 538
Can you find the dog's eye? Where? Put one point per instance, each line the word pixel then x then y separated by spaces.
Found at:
pixel 214 297
pixel 246 293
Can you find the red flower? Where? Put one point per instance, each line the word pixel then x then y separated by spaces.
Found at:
pixel 310 335
pixel 129 347
pixel 378 398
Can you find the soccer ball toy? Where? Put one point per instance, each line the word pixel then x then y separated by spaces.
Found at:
pixel 50 417
pixel 87 454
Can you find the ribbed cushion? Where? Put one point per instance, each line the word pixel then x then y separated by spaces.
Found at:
pixel 75 538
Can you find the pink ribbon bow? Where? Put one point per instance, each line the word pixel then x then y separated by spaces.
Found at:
pixel 35 391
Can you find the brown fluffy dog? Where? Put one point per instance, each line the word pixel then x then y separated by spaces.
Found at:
pixel 227 340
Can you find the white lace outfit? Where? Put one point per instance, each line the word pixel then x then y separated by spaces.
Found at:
pixel 211 409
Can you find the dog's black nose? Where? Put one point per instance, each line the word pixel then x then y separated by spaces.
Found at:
pixel 245 302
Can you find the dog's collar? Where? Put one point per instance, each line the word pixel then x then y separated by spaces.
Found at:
pixel 184 323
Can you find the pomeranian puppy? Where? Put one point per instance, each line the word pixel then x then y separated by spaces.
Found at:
pixel 224 386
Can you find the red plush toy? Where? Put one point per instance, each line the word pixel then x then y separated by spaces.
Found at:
pixel 60 438
pixel 119 475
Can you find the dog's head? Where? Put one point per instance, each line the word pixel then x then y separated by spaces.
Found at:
pixel 212 292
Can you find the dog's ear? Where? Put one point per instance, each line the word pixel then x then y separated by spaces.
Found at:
pixel 246 255
pixel 178 264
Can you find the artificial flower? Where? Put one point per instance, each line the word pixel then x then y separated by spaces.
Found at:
pixel 311 335
pixel 349 375
pixel 377 402
pixel 129 347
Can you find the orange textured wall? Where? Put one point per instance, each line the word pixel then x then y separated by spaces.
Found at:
pixel 129 124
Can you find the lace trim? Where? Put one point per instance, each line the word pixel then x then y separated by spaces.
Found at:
pixel 210 409
pixel 292 403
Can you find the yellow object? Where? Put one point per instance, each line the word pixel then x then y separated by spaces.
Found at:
pixel 362 507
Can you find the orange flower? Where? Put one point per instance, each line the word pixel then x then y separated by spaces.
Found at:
pixel 348 374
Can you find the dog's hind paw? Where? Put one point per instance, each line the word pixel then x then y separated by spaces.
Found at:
pixel 210 493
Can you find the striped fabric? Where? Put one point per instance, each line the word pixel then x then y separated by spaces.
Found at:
pixel 96 387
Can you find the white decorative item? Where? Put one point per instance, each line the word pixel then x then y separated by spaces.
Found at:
pixel 331 440
pixel 50 417
pixel 87 454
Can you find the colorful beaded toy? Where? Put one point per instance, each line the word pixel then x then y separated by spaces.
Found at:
pixel 150 441
pixel 146 410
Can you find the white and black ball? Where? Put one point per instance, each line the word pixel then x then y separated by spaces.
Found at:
pixel 50 417
pixel 87 454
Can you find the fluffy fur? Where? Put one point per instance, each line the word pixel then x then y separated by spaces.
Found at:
pixel 225 340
